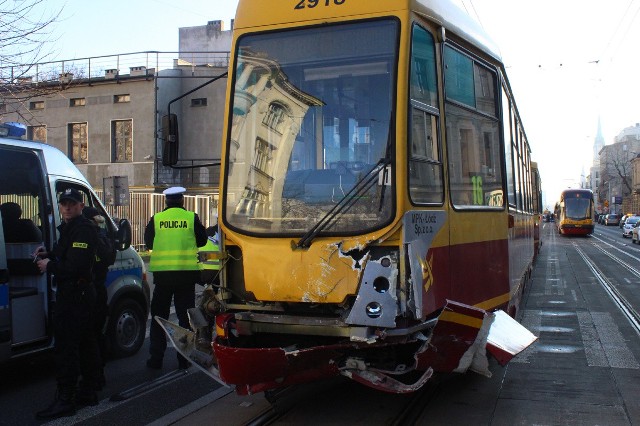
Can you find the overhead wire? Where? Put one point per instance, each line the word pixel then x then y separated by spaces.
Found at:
pixel 617 28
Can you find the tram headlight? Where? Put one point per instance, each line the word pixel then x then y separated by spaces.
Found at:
pixel 374 310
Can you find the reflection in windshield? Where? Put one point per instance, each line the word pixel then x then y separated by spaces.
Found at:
pixel 311 117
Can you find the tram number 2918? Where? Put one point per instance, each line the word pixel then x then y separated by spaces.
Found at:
pixel 310 4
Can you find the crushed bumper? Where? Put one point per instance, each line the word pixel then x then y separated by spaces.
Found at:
pixel 458 342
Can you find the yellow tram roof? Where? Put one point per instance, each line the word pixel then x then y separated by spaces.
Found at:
pixel 256 13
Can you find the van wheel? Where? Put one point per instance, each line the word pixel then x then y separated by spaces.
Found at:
pixel 127 327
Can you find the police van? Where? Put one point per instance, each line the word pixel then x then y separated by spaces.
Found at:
pixel 32 175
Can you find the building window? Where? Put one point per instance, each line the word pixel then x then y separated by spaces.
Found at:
pixel 78 140
pixel 121 99
pixel 262 156
pixel 36 105
pixel 198 102
pixel 122 140
pixel 275 118
pixel 37 133
pixel 74 102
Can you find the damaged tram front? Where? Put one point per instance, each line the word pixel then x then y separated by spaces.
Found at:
pixel 360 238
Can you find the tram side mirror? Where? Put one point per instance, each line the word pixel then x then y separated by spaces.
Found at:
pixel 123 236
pixel 170 140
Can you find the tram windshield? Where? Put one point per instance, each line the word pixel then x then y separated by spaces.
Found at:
pixel 578 208
pixel 311 121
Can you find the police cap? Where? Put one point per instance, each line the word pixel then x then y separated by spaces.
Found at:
pixel 71 194
pixel 174 193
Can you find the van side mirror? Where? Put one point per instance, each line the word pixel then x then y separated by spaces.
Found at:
pixel 170 140
pixel 123 236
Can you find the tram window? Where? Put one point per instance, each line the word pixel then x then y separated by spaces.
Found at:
pixel 425 168
pixel 473 139
pixel 423 68
pixel 473 143
pixel 459 77
pixel 507 116
pixel 485 90
pixel 518 164
pixel 306 132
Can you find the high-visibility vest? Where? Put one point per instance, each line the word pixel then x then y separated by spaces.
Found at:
pixel 209 256
pixel 174 242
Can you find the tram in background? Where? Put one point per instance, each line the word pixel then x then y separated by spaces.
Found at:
pixel 574 212
pixel 376 205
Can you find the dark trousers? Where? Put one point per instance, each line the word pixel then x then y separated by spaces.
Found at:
pixel 76 348
pixel 100 316
pixel 179 285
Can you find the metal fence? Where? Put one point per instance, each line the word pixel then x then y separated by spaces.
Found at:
pixel 144 205
pixel 195 173
pixel 109 66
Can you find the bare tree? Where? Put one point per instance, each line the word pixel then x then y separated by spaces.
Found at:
pixel 616 170
pixel 25 32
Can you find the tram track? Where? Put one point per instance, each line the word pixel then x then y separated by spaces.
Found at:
pixel 627 309
pixel 620 261
pixel 288 405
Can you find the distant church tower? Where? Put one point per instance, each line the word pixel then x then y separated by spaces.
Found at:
pixel 594 175
pixel 598 144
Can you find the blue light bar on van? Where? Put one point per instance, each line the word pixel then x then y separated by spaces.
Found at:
pixel 13 129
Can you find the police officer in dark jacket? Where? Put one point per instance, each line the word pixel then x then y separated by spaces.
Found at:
pixel 105 256
pixel 174 235
pixel 76 349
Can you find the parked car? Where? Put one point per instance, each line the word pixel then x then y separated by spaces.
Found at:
pixel 623 219
pixel 612 219
pixel 629 226
pixel 635 232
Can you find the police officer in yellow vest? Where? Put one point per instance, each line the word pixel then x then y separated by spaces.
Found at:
pixel 174 236
pixel 209 256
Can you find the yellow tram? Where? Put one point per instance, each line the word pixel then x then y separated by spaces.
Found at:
pixel 575 212
pixel 376 203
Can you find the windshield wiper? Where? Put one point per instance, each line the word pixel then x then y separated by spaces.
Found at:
pixel 345 203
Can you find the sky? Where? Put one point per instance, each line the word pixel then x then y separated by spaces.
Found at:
pixel 570 62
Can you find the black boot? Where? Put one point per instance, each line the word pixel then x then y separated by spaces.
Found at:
pixel 62 406
pixel 154 363
pixel 86 397
pixel 183 363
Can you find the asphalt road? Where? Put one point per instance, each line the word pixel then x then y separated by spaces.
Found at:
pixel 583 370
pixel 28 385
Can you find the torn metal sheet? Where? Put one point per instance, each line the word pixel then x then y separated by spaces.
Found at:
pixel 463 335
pixel 376 303
pixel 185 343
pixel 507 338
pixel 384 382
pixel 255 370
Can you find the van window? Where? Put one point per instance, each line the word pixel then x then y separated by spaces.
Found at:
pixel 89 199
pixel 21 196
